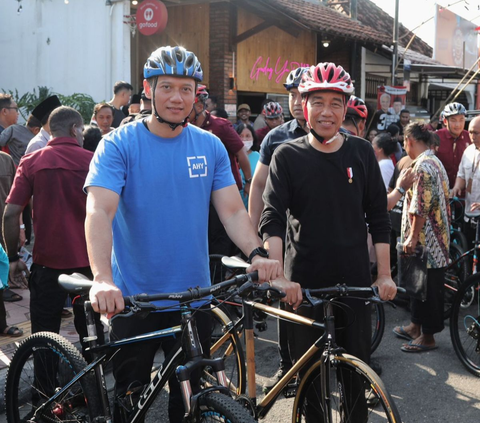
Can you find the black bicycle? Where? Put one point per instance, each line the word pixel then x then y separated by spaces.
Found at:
pixel 465 312
pixel 48 379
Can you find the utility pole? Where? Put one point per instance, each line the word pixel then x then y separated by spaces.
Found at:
pixel 395 43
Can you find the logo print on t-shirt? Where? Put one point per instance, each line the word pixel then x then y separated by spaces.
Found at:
pixel 197 166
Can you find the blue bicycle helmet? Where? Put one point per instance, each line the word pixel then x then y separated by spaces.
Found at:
pixel 174 61
pixel 294 78
pixel 453 109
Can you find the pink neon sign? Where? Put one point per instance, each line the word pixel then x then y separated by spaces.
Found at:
pixel 280 69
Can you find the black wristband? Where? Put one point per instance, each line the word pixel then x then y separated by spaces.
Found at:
pixel 13 259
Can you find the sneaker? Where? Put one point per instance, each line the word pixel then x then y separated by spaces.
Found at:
pixel 270 383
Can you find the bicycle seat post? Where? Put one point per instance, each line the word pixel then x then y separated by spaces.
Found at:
pixel 99 374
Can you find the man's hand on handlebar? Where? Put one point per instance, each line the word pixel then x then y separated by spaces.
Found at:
pixel 267 269
pixel 386 287
pixel 293 291
pixel 106 298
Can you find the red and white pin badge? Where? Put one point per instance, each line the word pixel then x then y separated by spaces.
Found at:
pixel 350 174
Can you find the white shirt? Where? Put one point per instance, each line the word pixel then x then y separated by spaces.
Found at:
pixel 470 168
pixel 38 141
pixel 386 167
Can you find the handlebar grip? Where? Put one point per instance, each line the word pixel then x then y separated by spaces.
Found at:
pixel 401 290
pixel 254 276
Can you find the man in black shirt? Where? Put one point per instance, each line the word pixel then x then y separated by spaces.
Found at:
pixel 296 128
pixel 325 188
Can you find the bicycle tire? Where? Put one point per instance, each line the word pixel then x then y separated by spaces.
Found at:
pixel 460 239
pixel 60 361
pixel 465 324
pixel 215 407
pixel 455 275
pixel 372 399
pixel 378 325
pixel 226 344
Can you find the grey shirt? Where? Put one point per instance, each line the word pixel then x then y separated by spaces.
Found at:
pixel 16 138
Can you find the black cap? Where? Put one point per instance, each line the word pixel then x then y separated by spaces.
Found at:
pixel 46 107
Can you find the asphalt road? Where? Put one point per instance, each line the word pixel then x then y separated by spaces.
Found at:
pixel 429 387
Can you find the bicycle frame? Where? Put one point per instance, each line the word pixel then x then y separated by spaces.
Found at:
pixel 190 349
pixel 326 342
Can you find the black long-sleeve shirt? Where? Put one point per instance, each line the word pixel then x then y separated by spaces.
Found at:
pixel 310 193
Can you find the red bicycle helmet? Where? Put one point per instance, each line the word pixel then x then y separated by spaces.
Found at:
pixel 201 94
pixel 326 76
pixel 272 110
pixel 356 107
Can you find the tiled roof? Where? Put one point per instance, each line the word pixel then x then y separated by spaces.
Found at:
pixel 369 14
pixel 324 19
pixel 416 57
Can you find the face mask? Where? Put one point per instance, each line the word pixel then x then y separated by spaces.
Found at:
pixel 248 144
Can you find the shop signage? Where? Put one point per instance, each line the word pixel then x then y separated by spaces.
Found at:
pixel 152 17
pixel 266 68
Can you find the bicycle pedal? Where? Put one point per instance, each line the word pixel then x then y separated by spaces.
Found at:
pixel 290 390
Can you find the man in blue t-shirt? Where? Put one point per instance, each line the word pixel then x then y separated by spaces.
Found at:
pixel 149 188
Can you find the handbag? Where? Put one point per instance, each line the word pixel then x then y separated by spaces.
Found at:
pixel 412 272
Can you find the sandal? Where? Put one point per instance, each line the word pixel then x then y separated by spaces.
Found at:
pixel 10 296
pixel 12 331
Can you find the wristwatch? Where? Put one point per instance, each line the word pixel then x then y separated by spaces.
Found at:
pixel 400 190
pixel 259 251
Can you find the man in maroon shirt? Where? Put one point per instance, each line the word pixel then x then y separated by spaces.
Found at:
pixel 454 139
pixel 54 175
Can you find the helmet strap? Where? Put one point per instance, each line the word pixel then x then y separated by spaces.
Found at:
pixel 172 125
pixel 321 139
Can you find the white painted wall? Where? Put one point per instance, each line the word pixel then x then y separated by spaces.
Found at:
pixel 79 47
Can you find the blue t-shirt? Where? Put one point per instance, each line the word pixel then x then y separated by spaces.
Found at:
pixel 160 227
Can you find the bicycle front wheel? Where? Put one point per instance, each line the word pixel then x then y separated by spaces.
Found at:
pixel 465 324
pixel 216 407
pixel 42 365
pixel 378 325
pixel 353 394
pixel 226 344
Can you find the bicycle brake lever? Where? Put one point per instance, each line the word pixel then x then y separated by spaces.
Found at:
pixel 311 300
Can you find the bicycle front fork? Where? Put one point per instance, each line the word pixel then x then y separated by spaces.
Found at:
pixel 193 350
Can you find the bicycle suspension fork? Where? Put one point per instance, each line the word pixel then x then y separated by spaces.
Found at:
pixel 194 355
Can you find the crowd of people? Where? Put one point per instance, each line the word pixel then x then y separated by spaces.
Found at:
pixel 156 182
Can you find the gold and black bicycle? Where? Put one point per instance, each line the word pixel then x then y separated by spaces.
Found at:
pixel 338 387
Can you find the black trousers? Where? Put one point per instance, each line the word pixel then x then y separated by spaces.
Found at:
pixel 132 365
pixel 47 300
pixel 353 333
pixel 429 313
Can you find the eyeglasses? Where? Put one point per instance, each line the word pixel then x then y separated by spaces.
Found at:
pixel 474 133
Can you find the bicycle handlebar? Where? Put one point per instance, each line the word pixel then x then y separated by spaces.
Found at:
pixel 194 293
pixel 343 291
pixel 78 283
